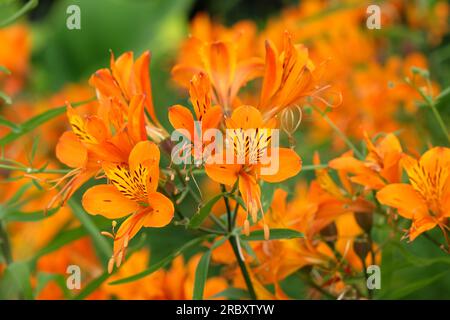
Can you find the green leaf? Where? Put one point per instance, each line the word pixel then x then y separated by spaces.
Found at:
pixel 5 122
pixel 36 121
pixel 92 286
pixel 414 286
pixel 66 236
pixel 5 70
pixel 204 211
pixel 15 282
pixel 419 261
pixel 275 234
pixel 5 97
pixel 201 275
pixel 14 199
pixel 44 278
pixel 444 93
pixel 233 294
pixel 267 192
pixel 29 216
pixel 100 242
pixel 162 263
pixel 26 7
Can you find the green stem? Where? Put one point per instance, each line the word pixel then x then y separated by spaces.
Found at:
pixel 32 170
pixel 366 278
pixel 26 7
pixel 185 184
pixel 311 283
pixel 235 213
pixel 234 244
pixel 5 244
pixel 211 231
pixel 227 206
pixel 339 133
pixel 314 167
pixel 430 102
pixel 439 120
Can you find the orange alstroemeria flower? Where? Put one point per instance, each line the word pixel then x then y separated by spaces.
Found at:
pixel 381 166
pixel 289 77
pixel 125 79
pixel 426 199
pixel 15 55
pixel 132 193
pixel 90 142
pixel 220 60
pixel 209 116
pixel 247 167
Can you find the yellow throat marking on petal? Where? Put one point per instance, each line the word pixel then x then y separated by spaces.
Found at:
pixel 430 185
pixel 79 129
pixel 132 184
pixel 251 145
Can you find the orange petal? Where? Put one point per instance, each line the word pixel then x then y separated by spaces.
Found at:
pixel 107 201
pixel 143 83
pixel 288 166
pixel 181 118
pixel 223 172
pixel 200 93
pixel 246 70
pixel 245 117
pixel 436 159
pixel 420 225
pixel 122 69
pixel 127 230
pixel 272 74
pixel 182 74
pixel 146 154
pixel 136 119
pixel 96 128
pixel 212 118
pixel 404 198
pixel 349 164
pixel 162 212
pixel 71 151
pixel 104 83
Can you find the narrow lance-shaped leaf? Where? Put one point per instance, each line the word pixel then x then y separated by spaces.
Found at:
pixel 36 121
pixel 100 242
pixel 162 263
pixel 201 275
pixel 5 97
pixel 25 8
pixel 66 236
pixel 275 234
pixel 204 211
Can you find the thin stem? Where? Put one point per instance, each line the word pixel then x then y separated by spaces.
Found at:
pixel 212 231
pixel 339 133
pixel 5 245
pixel 314 167
pixel 217 221
pixel 32 170
pixel 227 206
pixel 432 240
pixel 235 213
pixel 183 181
pixel 314 285
pixel 366 277
pixel 439 120
pixel 430 102
pixel 234 244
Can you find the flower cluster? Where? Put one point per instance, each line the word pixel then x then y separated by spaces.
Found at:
pixel 111 173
